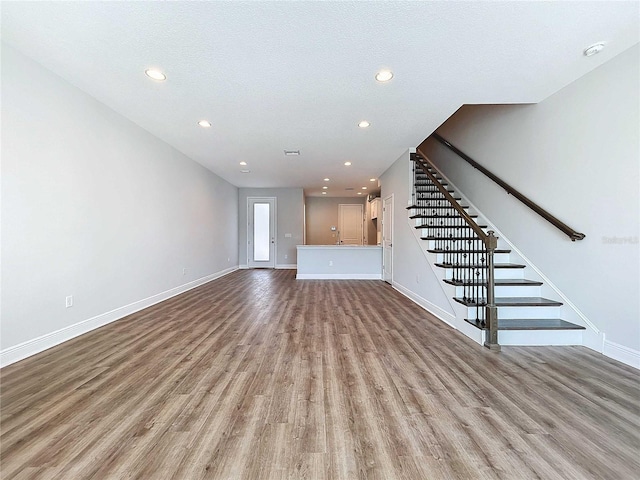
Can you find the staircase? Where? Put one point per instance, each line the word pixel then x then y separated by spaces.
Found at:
pixel 499 299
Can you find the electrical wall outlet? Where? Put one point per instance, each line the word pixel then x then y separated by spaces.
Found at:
pixel 286 256
pixel 68 302
pixel 331 263
pixel 184 271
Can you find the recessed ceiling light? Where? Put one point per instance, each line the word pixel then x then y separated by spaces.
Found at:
pixel 372 179
pixel 324 188
pixel 359 193
pixel 364 124
pixel 364 188
pixel 291 153
pixel 326 179
pixel 324 193
pixel 593 49
pixel 347 163
pixel 155 74
pixel 243 163
pixel 245 171
pixel 384 75
pixel 204 123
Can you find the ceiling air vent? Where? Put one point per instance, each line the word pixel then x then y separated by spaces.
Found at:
pixel 292 153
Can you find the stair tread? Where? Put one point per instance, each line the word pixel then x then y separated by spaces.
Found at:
pixel 516 302
pixel 447 238
pixel 530 324
pixel 424 178
pixel 430 196
pixel 502 282
pixel 422 215
pixel 447 226
pixel 431 206
pixel 466 265
pixel 439 250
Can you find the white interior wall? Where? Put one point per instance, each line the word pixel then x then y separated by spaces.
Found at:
pixel 289 221
pixel 95 207
pixel 577 155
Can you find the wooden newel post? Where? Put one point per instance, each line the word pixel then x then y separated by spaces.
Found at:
pixel 491 311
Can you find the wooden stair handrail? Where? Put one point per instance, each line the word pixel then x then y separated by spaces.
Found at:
pixel 573 234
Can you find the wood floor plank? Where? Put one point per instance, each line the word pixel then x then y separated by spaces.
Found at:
pixel 260 376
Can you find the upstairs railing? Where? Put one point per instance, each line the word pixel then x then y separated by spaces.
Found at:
pixel 467 251
pixel 573 235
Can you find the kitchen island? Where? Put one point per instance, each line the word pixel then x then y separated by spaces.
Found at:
pixel 350 262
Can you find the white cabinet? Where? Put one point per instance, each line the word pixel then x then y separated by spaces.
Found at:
pixel 375 208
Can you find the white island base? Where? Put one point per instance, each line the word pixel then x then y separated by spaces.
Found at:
pixel 334 262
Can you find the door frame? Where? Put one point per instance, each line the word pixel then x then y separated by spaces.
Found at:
pixel 387 216
pixel 274 202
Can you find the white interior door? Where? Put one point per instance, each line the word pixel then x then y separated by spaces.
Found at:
pixel 350 224
pixel 261 235
pixel 387 239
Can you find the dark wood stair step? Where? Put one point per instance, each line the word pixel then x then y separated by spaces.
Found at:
pixel 514 302
pixel 529 324
pixel 424 192
pixel 420 190
pixel 424 207
pixel 447 226
pixel 427 182
pixel 500 282
pixel 466 265
pixel 447 238
pixel 422 215
pixel 432 193
pixel 440 250
pixel 424 176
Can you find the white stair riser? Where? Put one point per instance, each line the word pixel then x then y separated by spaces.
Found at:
pixel 513 291
pixel 521 312
pixel 502 273
pixel 529 312
pixel 540 337
pixel 498 258
pixel 509 291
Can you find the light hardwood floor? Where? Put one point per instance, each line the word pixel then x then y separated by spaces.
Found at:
pixel 259 376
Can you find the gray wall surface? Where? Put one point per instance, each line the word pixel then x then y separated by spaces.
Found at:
pixel 577 155
pixel 96 207
pixel 322 213
pixel 411 270
pixel 289 220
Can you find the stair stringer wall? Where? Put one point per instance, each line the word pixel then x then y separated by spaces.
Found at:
pixel 413 274
pixel 591 337
pixel 457 321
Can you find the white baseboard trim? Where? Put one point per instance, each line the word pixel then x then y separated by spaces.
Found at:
pixel 432 308
pixel 243 267
pixel 31 347
pixel 623 354
pixel 286 266
pixel 339 276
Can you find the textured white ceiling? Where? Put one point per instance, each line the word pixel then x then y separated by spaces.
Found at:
pixel 272 76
